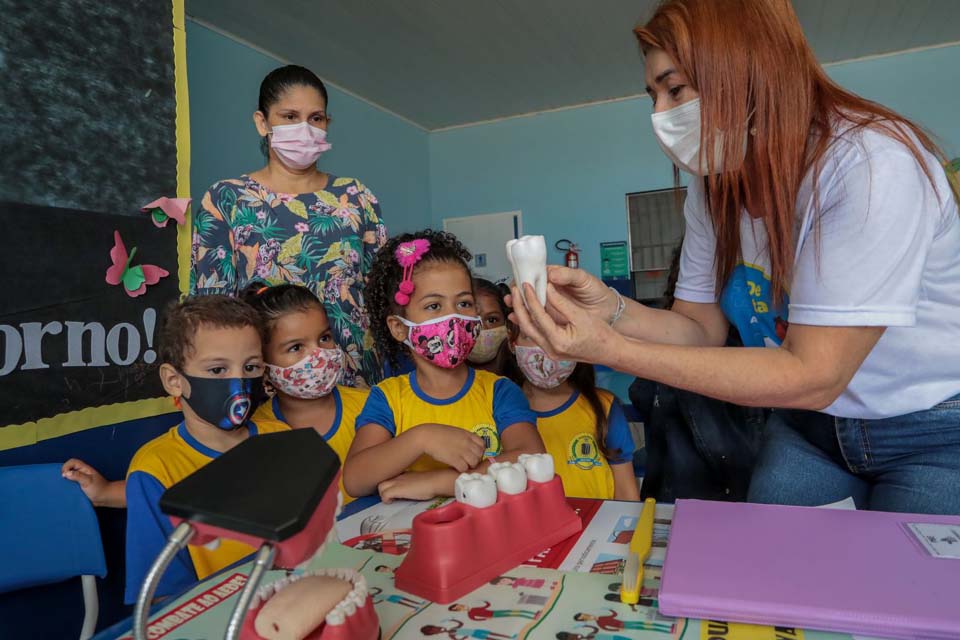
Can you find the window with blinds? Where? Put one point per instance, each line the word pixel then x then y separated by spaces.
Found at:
pixel 656 228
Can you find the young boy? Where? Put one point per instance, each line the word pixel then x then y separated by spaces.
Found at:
pixel 212 362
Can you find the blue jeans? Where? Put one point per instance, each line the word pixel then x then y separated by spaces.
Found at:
pixel 908 463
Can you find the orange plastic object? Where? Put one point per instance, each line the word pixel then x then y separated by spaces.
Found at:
pixel 362 625
pixel 458 548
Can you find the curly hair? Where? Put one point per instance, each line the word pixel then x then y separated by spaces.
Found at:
pixel 384 279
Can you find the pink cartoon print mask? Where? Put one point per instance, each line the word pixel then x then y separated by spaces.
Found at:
pixel 310 378
pixel 445 341
pixel 541 370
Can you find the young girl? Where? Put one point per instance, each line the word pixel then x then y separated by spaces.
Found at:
pixel 303 365
pixel 487 354
pixel 583 427
pixel 418 431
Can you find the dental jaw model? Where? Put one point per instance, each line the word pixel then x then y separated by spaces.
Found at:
pixel 499 520
pixel 528 257
pixel 280 494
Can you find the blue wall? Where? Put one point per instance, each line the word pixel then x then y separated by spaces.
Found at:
pixel 568 171
pixel 386 153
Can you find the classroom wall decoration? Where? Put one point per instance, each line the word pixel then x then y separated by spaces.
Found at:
pixel 95 135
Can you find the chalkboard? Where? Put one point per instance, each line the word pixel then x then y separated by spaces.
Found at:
pixel 94 124
pixel 69 340
pixel 88 106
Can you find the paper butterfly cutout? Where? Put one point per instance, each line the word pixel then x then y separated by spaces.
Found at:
pixel 162 209
pixel 134 279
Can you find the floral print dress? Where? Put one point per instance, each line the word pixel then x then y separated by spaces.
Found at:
pixel 324 240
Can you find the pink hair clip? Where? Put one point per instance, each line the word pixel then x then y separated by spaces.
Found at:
pixel 408 254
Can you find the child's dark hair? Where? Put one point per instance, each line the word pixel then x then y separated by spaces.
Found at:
pixel 273 302
pixel 278 81
pixel 583 380
pixel 182 320
pixel 384 278
pixel 482 285
pixel 503 360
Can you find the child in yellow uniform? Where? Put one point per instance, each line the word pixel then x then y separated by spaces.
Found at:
pixel 583 427
pixel 418 431
pixel 303 366
pixel 211 354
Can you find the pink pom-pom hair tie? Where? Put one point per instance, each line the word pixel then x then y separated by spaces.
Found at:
pixel 409 254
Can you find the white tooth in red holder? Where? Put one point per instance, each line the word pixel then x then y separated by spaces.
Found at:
pixel 476 489
pixel 539 466
pixel 511 477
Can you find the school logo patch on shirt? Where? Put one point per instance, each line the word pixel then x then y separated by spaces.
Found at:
pixel 491 439
pixel 584 452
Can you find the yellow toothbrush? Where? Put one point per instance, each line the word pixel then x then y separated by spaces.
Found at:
pixel 640 545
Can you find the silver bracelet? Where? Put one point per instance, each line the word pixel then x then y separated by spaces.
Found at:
pixel 621 305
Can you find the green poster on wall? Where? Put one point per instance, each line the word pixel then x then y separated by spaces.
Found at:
pixel 615 260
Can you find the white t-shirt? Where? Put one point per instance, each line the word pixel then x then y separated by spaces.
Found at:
pixel 887 254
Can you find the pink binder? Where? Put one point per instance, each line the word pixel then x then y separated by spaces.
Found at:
pixel 862 572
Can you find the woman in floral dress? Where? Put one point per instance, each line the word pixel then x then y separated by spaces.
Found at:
pixel 292 223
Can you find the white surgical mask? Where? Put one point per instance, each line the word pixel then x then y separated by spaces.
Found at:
pixel 678 133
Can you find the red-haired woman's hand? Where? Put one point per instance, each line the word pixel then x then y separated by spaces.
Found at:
pixel 581 289
pixel 569 331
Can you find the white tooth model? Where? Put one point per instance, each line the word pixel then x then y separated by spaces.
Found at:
pixel 511 477
pixel 539 466
pixel 476 489
pixel 528 257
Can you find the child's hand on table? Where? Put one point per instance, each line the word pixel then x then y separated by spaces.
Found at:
pixel 414 485
pixel 452 446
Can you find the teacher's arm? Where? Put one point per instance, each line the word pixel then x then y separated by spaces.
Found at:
pixel 213 262
pixel 809 371
pixel 686 323
pixel 374 230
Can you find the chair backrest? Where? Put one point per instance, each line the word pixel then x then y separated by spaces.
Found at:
pixel 48 529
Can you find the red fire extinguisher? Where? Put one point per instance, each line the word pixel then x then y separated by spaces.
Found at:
pixel 572 257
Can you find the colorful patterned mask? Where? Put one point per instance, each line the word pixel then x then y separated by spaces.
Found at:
pixel 313 377
pixel 445 341
pixel 488 344
pixel 541 370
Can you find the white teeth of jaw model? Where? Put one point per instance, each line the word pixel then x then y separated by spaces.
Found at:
pixel 475 489
pixel 336 595
pixel 511 477
pixel 539 466
pixel 528 257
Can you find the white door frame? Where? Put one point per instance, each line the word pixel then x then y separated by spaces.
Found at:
pixel 518 228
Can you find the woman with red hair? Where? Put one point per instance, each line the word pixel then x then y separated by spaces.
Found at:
pixel 820 224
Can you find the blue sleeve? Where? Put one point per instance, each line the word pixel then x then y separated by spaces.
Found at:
pixel 510 406
pixel 377 410
pixel 619 440
pixel 147 532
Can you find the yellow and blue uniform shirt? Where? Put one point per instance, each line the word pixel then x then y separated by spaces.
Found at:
pixel 349 402
pixel 569 434
pixel 486 405
pixel 156 467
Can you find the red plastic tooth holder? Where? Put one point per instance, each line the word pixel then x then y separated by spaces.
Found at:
pixel 458 548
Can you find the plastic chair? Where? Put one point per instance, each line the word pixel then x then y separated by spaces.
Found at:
pixel 49 534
